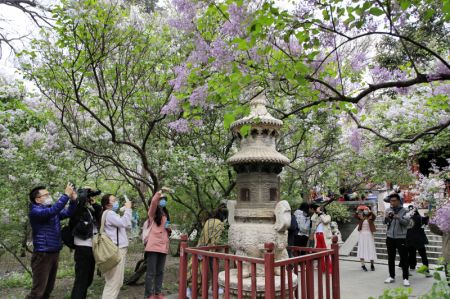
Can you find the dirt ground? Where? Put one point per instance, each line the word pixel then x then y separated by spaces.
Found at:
pixel 65 281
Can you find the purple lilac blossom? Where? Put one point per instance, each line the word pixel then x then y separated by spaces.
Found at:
pixel 187 12
pixel 232 26
pixel 442 68
pixel 221 53
pixel 201 52
pixel 358 61
pixel 198 96
pixel 197 122
pixel 181 73
pixel 5 143
pixel 442 218
pixel 304 8
pixel 355 140
pixel 180 126
pixel 172 107
pixel 442 89
pixel 31 137
pixel 294 46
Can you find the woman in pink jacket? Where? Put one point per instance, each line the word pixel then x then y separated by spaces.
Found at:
pixel 157 246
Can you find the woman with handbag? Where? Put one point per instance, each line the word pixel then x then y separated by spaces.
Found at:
pixel 156 245
pixel 115 228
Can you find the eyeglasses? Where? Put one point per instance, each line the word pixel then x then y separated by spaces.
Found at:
pixel 46 194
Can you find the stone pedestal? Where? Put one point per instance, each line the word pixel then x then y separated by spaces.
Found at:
pixel 260 285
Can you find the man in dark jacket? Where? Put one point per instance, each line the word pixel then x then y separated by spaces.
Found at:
pixel 397 226
pixel 45 223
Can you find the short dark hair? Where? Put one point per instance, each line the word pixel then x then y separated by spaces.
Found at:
pixel 304 206
pixel 314 206
pixel 35 192
pixel 394 195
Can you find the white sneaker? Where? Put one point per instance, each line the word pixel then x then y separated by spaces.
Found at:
pixel 389 280
pixel 406 282
pixel 188 293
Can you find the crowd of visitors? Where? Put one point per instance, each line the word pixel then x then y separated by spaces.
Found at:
pixel 89 220
pixel 310 227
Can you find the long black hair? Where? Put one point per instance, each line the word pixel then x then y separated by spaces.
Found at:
pixel 160 212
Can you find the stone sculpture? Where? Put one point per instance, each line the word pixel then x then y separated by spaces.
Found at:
pixel 248 238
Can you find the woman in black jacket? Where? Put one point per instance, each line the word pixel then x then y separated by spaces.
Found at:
pixel 416 241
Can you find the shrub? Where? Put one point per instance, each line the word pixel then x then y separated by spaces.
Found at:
pixel 338 212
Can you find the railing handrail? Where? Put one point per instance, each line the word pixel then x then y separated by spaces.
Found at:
pixel 232 257
pixel 214 247
pixel 304 258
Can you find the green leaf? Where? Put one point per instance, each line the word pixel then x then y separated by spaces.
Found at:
pixel 404 4
pixel 245 129
pixel 376 11
pixel 227 120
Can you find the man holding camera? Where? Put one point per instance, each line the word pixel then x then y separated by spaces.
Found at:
pixel 84 224
pixel 45 216
pixel 397 226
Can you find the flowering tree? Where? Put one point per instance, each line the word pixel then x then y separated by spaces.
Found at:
pixel 112 86
pixel 32 152
pixel 307 62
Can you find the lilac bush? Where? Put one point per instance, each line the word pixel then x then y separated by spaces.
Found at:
pixel 442 218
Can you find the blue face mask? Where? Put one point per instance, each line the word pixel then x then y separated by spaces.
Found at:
pixel 115 206
pixel 162 203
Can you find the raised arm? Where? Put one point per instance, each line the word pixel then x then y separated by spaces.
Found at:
pixel 153 205
pixel 117 221
pixel 325 218
pixel 68 212
pixel 46 213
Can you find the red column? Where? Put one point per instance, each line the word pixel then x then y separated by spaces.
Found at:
pixel 183 268
pixel 336 281
pixel 269 260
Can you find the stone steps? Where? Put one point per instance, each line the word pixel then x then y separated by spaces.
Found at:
pixel 434 248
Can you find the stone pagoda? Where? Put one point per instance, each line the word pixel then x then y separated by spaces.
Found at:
pixel 257 216
pixel 257 164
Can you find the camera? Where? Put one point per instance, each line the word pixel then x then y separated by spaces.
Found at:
pixel 391 215
pixel 85 193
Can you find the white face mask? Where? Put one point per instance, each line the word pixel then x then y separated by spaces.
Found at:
pixel 48 201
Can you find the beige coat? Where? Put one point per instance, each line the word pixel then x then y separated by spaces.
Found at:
pixel 446 247
pixel 325 219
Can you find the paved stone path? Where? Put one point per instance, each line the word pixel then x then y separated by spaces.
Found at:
pixel 356 284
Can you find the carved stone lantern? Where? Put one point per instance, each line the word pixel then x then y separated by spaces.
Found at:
pixel 257 164
pixel 258 216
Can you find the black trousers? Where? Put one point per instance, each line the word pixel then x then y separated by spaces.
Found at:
pixel 155 272
pixel 392 246
pixel 84 271
pixel 413 259
pixel 44 266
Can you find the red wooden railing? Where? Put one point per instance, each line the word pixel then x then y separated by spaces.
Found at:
pixel 311 284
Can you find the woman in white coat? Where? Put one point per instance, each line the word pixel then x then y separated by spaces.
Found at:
pixel 320 227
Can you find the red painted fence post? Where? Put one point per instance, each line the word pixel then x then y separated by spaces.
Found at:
pixel 336 278
pixel 183 268
pixel 269 261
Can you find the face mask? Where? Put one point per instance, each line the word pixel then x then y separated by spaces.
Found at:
pixel 115 206
pixel 366 212
pixel 48 201
pixel 162 203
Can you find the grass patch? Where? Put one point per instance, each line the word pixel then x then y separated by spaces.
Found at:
pixel 16 280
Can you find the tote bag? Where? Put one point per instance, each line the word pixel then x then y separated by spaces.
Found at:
pixel 106 253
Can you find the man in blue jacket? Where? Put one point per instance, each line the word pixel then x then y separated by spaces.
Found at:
pixel 45 216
